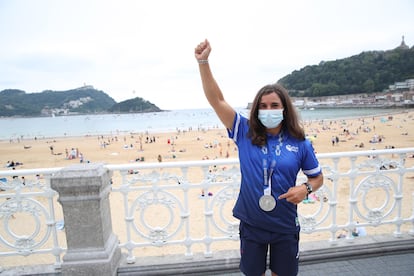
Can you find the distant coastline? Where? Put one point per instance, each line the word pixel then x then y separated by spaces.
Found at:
pixel 388 106
pixel 70 114
pixel 333 106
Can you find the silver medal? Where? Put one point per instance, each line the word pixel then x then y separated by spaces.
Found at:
pixel 267 203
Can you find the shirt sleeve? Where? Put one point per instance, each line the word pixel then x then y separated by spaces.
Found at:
pixel 235 131
pixel 310 165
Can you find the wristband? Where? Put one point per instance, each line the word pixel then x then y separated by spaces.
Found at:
pixel 202 61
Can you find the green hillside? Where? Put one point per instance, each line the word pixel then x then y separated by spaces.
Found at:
pixel 367 72
pixel 84 100
pixel 135 105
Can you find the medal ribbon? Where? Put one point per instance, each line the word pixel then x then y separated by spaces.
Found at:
pixel 268 178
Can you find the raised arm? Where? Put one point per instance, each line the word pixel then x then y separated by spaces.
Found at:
pixel 211 89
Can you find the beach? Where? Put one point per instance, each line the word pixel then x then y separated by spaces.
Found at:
pixel 339 135
pixel 350 134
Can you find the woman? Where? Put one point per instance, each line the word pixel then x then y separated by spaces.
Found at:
pixel 272 150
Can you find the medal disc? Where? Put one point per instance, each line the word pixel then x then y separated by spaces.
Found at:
pixel 267 203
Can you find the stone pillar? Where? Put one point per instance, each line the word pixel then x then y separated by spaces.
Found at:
pixel 92 246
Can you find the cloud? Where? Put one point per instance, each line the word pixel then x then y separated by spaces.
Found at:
pixel 147 46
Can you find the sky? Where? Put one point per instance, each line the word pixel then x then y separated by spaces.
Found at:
pixel 145 49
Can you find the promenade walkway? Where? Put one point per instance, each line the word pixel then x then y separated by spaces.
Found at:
pixel 371 255
pixel 399 264
pixel 378 255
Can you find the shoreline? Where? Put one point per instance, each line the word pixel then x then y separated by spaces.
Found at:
pixel 356 117
pixel 177 129
pixel 208 108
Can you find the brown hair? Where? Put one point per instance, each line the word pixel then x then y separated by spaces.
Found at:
pixel 291 123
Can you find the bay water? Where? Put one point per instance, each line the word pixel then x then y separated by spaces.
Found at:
pixel 166 121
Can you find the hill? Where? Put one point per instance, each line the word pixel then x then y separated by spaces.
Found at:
pixel 83 100
pixel 367 72
pixel 136 105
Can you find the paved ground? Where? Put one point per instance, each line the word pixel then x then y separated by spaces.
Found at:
pixel 375 255
pixel 401 265
pixel 383 265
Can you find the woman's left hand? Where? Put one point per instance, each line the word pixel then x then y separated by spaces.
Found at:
pixel 295 194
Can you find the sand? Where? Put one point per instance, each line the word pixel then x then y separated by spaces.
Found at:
pixel 396 130
pixel 198 145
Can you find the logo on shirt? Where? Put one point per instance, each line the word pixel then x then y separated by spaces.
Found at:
pixel 292 148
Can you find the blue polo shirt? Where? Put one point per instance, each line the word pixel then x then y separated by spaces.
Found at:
pixel 295 155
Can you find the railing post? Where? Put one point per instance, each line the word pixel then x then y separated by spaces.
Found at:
pixel 92 247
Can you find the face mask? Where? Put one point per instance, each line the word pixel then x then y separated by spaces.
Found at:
pixel 270 118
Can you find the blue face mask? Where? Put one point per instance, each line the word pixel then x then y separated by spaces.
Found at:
pixel 270 118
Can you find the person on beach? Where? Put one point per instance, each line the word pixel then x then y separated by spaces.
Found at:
pixel 272 151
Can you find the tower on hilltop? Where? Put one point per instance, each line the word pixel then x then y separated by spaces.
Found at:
pixel 403 46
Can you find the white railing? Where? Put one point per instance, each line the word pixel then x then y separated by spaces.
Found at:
pixel 29 225
pixel 157 208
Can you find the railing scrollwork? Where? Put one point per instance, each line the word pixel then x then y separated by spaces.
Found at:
pixel 189 204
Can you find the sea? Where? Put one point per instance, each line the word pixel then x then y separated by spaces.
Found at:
pixel 147 123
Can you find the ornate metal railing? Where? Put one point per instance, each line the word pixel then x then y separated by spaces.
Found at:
pixel 28 216
pixel 173 207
